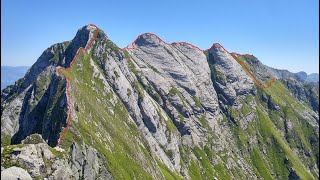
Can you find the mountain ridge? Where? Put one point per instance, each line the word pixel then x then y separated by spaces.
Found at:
pixel 132 45
pixel 158 112
pixel 152 37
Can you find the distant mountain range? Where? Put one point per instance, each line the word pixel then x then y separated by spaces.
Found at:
pixel 313 77
pixel 10 74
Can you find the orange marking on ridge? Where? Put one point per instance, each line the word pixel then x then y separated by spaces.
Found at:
pixel 247 69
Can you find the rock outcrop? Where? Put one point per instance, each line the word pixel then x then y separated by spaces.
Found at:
pixel 14 173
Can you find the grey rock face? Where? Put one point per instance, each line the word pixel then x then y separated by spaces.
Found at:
pixel 86 163
pixel 34 156
pixel 231 79
pixel 10 115
pixel 14 173
pixel 39 161
pixel 180 74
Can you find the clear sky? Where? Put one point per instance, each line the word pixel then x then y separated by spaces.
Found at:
pixel 281 33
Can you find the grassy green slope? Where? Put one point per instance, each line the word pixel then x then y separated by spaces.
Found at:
pixel 270 131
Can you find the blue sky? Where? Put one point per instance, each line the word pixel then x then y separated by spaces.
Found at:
pixel 281 33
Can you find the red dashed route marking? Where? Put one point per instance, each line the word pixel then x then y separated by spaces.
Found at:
pixel 233 54
pixel 68 81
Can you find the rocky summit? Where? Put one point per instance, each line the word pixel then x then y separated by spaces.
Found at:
pixel 156 110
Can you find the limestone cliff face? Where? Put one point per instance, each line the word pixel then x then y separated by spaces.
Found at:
pixel 156 111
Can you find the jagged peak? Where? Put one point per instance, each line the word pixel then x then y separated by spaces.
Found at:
pixel 90 28
pixel 214 45
pixel 85 34
pixel 148 39
pixel 217 47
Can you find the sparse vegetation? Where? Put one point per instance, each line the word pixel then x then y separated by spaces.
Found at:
pixel 181 118
pixel 129 92
pixel 33 139
pixel 131 65
pixel 154 69
pixel 116 74
pixel 197 101
pixel 112 46
pixel 5 140
pixel 139 88
pixel 56 152
pixel 173 91
pixel 6 160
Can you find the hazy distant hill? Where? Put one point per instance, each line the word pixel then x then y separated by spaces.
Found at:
pixel 10 74
pixel 314 77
